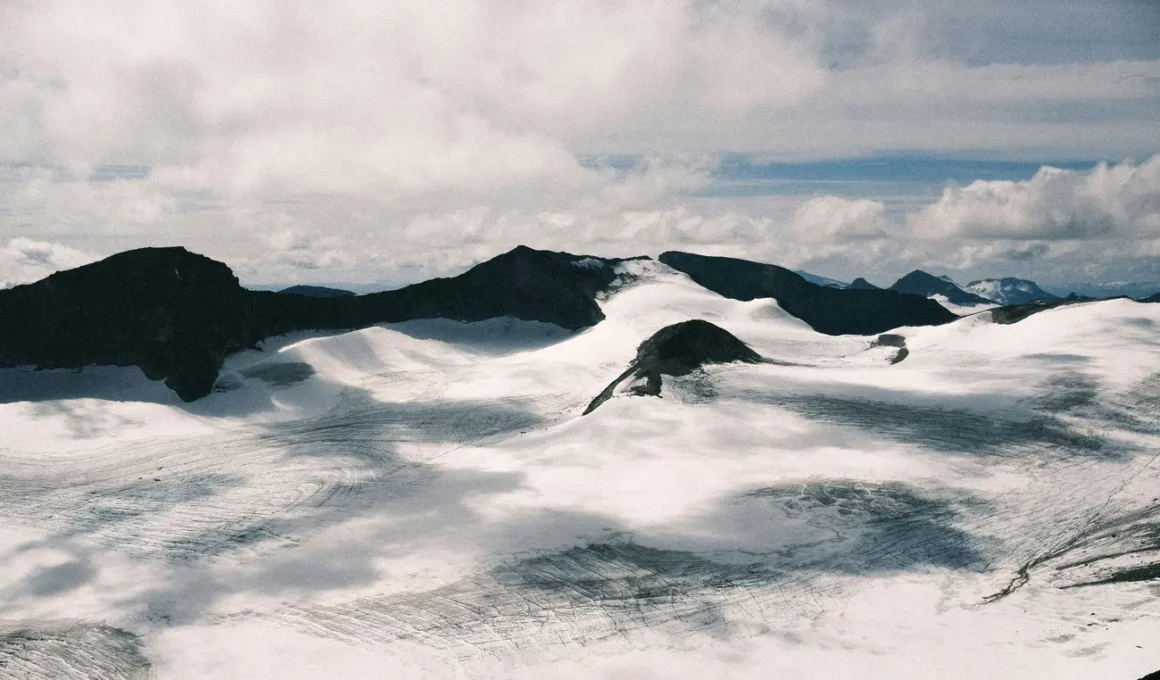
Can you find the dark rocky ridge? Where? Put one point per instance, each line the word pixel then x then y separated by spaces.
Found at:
pixel 919 282
pixel 177 315
pixel 827 310
pixel 316 291
pixel 678 350
pixel 1150 298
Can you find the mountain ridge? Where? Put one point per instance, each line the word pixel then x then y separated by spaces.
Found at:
pixel 827 310
pixel 177 315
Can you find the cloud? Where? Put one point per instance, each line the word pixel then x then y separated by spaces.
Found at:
pixel 828 218
pixel 1109 201
pixel 347 139
pixel 357 96
pixel 24 260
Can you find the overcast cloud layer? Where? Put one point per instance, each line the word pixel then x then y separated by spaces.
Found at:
pixel 364 141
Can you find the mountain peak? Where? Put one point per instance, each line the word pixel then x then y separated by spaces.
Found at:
pixel 861 284
pixel 919 282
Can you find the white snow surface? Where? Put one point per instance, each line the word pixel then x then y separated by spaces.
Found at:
pixel 424 500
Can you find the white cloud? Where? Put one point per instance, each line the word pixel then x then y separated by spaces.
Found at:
pixel 346 139
pixel 1109 201
pixel 356 96
pixel 24 260
pixel 830 218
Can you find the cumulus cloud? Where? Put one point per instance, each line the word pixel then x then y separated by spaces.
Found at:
pixel 1055 204
pixel 828 218
pixel 24 260
pixel 344 139
pixel 356 95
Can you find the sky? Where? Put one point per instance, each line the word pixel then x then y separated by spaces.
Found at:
pixel 373 144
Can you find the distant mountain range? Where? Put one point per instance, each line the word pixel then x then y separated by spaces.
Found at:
pixel 1002 291
pixel 177 315
pixel 834 311
pixel 1009 291
pixel 919 282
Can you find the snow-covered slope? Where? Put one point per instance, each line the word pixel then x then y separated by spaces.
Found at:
pixel 1009 290
pixel 425 500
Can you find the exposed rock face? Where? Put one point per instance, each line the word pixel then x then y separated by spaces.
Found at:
pixel 677 350
pixel 826 310
pixel 919 282
pixel 177 314
pixel 861 284
pixel 170 312
pixel 1009 290
pixel 316 291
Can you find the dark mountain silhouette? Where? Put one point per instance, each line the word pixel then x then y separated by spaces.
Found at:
pixel 1009 290
pixel 316 291
pixel 861 284
pixel 919 282
pixel 677 350
pixel 1151 298
pixel 827 310
pixel 177 315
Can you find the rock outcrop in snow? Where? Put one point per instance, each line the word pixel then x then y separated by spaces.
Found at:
pixel 678 350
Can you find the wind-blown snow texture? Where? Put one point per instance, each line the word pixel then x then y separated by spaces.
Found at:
pixel 424 500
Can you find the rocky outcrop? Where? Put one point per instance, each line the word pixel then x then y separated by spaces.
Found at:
pixel 827 310
pixel 678 350
pixel 177 315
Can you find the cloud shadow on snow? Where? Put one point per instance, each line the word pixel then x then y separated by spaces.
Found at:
pixel 962 425
pixel 741 561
